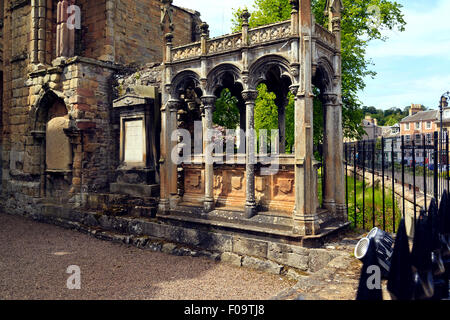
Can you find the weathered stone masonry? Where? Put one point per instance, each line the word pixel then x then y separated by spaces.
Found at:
pixel 65 94
pixel 50 73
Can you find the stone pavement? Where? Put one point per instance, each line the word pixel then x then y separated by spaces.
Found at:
pixel 338 280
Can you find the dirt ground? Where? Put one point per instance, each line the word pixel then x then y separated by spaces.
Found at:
pixel 34 258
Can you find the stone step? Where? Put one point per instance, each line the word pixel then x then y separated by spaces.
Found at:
pixel 233 227
pixel 236 215
pixel 260 226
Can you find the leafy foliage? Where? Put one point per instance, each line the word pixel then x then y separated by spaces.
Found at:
pixel 226 113
pixel 387 117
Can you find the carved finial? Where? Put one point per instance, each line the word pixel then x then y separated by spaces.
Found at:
pixel 167 13
pixel 204 27
pixel 245 15
pixel 169 37
pixel 334 6
pixel 294 4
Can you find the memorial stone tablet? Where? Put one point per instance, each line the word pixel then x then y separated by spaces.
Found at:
pixel 134 141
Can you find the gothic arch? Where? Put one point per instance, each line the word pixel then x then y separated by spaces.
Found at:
pixel 217 76
pixel 258 71
pixel 39 111
pixel 323 77
pixel 186 79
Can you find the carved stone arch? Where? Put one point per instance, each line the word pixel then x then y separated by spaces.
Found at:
pixel 259 70
pixel 217 77
pixel 39 111
pixel 323 77
pixel 49 120
pixel 184 80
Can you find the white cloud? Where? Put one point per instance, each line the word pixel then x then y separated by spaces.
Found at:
pixel 217 14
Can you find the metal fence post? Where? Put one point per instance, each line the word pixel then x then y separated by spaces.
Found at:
pixel 382 180
pixel 356 152
pixel 448 169
pixel 435 167
pixel 414 177
pixel 346 176
pixel 373 182
pixel 403 175
pixel 393 184
pixel 364 184
pixel 424 171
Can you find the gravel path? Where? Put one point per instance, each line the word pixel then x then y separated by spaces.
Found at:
pixel 34 258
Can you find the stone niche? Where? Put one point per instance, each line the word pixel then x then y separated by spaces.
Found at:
pixel 137 174
pixel 58 150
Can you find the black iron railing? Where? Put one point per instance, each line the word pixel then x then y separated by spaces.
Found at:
pixel 389 177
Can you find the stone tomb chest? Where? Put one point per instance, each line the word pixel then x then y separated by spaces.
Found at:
pixel 137 174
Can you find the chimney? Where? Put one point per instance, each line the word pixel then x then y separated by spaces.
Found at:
pixel 415 108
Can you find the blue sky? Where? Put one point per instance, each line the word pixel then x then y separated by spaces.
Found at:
pixel 412 66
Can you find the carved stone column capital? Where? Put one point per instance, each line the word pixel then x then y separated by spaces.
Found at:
pixel 249 95
pixel 330 99
pixel 294 89
pixel 208 101
pixel 174 105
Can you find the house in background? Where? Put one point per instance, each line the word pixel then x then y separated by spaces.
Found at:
pixel 371 128
pixel 418 124
pixel 415 127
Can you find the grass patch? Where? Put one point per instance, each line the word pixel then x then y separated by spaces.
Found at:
pixel 367 215
pixel 372 216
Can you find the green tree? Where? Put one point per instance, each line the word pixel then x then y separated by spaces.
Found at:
pixel 358 30
pixel 226 113
pixel 266 111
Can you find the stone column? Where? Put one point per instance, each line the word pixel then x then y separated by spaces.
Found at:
pixel 341 205
pixel 249 97
pixel 173 106
pixel 282 122
pixel 109 53
pixel 208 106
pixel 305 218
pixel 65 38
pixel 38 34
pixel 164 162
pixel 329 149
pixel 334 12
pixel 39 137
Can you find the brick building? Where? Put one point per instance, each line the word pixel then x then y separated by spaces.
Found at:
pixel 58 129
pixel 418 124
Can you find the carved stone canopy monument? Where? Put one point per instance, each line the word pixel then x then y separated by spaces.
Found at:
pixel 137 173
pixel 289 56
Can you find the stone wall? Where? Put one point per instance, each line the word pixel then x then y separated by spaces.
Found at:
pixel 133 35
pixel 93 22
pixel 15 97
pixel 138 34
pixel 124 32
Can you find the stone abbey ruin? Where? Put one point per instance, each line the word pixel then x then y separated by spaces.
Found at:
pixel 89 111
